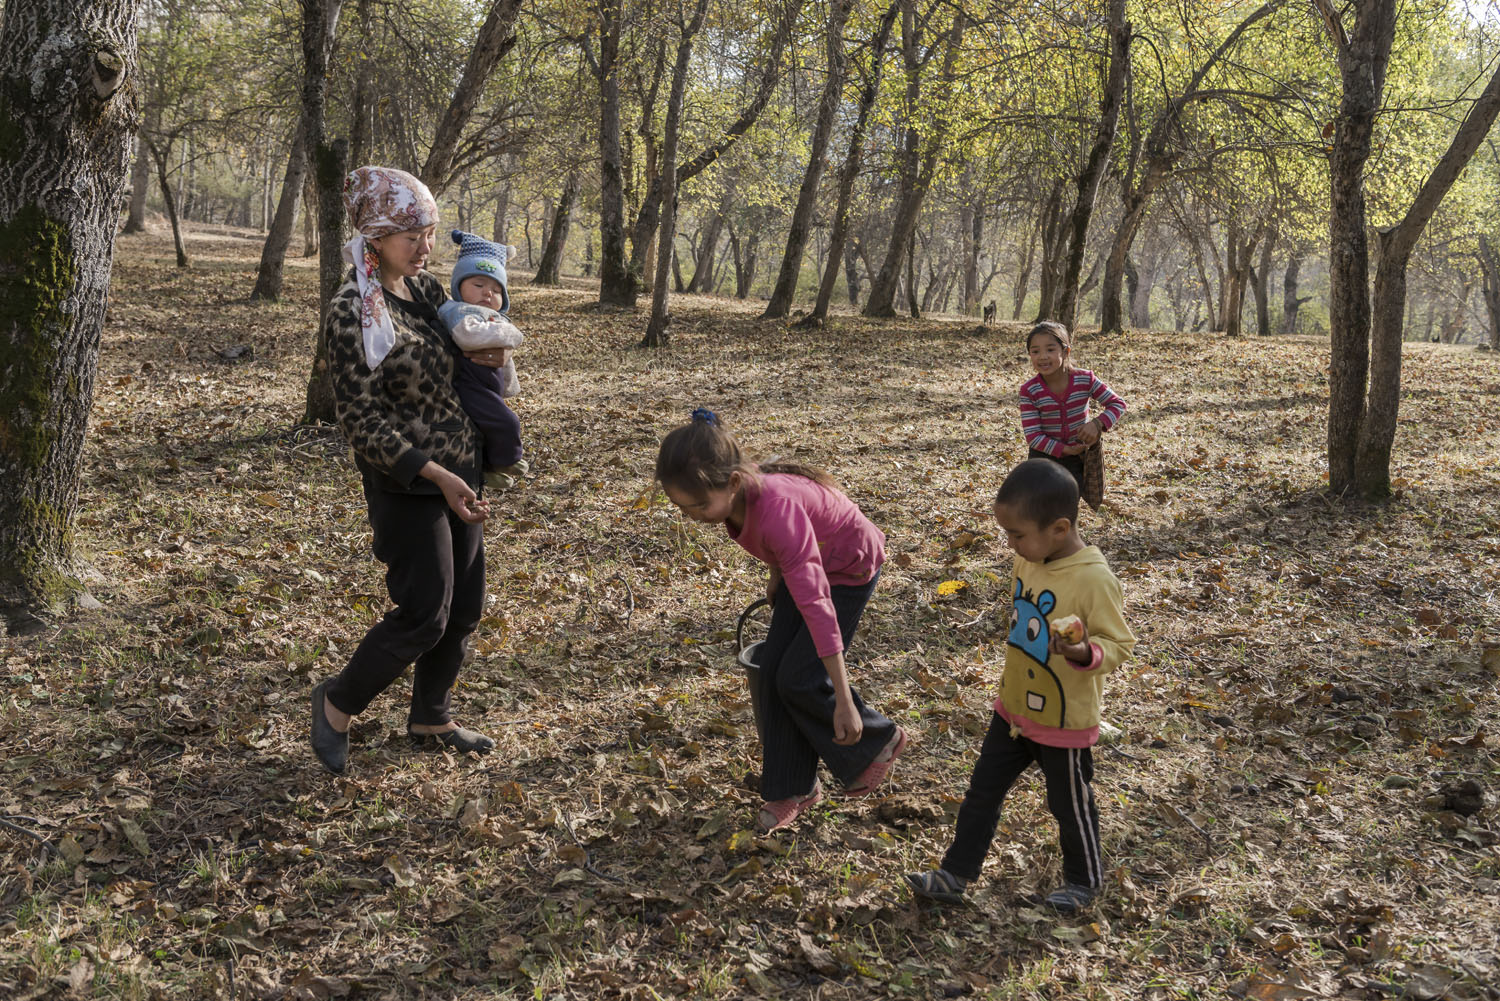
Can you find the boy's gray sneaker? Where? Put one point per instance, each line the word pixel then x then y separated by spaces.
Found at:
pixel 938 884
pixel 1070 898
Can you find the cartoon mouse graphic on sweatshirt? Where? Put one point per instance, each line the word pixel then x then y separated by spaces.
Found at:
pixel 1032 639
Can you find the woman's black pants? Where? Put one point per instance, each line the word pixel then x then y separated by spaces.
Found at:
pixel 435 575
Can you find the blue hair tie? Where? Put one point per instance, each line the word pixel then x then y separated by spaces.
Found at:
pixel 706 415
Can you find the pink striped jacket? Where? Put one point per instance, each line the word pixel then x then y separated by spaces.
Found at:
pixel 1049 422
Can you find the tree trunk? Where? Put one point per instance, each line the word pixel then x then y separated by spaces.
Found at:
pixel 502 209
pixel 310 215
pixel 62 172
pixel 917 164
pixel 703 268
pixel 169 200
pixel 1022 283
pixel 1291 303
pixel 744 263
pixel 1489 267
pixel 496 37
pixel 1111 312
pixel 617 284
pixel 1208 288
pixel 362 105
pixel 828 105
pixel 838 237
pixel 648 216
pixel 1140 296
pixel 1362 57
pixel 187 196
pixel 1237 273
pixel 1153 160
pixel 550 267
pixel 1093 172
pixel 320 20
pixel 971 232
pixel 273 254
pixel 1052 251
pixel 330 167
pixel 1262 278
pixel 140 181
pixel 1377 432
pixel 911 278
pixel 656 329
pixel 851 272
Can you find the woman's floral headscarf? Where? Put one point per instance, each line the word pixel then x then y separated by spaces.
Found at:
pixel 380 201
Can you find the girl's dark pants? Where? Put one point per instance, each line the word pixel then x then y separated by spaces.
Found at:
pixel 1068 771
pixel 1072 463
pixel 435 574
pixel 797 701
pixel 479 393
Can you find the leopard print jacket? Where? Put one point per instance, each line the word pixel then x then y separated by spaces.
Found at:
pixel 407 410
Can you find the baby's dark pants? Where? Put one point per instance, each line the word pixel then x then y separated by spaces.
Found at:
pixel 479 392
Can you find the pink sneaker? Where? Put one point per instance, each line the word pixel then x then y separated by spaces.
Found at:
pixel 871 777
pixel 779 813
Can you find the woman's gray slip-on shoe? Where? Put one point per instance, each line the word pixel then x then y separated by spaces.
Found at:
pixel 331 746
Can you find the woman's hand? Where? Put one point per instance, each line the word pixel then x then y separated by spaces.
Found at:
pixel 490 357
pixel 1074 449
pixel 459 495
pixel 1089 433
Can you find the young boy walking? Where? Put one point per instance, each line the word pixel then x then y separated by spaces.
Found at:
pixel 1050 691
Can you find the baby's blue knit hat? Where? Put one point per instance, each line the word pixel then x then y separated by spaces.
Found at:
pixel 478 256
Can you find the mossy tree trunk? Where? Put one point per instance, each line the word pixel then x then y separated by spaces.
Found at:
pixel 1363 54
pixel 67 113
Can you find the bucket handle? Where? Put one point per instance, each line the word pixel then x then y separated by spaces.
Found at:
pixel 739 629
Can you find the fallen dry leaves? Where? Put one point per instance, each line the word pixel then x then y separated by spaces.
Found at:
pixel 1298 797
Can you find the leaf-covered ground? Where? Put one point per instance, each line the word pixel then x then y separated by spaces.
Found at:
pixel 1301 802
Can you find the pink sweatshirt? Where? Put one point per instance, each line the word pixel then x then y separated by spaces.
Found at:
pixel 818 538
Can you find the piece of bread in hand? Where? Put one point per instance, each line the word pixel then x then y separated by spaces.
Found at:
pixel 1069 627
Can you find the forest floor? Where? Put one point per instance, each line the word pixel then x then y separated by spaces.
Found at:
pixel 1290 810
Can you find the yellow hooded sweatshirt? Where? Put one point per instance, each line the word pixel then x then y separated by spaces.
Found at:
pixel 1044 696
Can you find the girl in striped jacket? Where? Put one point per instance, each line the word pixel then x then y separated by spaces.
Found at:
pixel 1055 402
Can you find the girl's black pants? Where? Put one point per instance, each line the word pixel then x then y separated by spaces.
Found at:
pixel 1072 463
pixel 797 701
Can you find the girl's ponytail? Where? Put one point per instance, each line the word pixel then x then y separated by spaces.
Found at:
pixel 798 469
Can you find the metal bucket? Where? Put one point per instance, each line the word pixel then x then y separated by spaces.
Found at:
pixel 748 654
